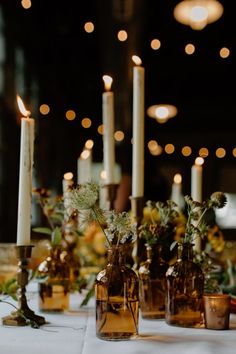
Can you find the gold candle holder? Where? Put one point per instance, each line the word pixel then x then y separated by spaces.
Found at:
pixel 110 195
pixel 23 312
pixel 137 214
pixel 216 311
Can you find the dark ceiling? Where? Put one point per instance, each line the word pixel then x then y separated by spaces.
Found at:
pixel 64 67
pixel 68 63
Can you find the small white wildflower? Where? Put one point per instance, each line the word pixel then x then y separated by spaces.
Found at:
pixel 85 196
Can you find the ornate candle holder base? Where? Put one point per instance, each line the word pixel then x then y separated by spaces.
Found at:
pixel 137 213
pixel 110 194
pixel 23 314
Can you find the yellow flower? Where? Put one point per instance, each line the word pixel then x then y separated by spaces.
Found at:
pixel 216 239
pixel 149 216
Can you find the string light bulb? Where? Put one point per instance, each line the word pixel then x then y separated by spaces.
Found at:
pixel 198 13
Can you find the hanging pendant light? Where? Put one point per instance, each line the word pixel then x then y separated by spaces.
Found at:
pixel 198 13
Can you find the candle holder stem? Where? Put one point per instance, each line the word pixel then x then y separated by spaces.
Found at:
pixel 137 213
pixel 110 195
pixel 23 314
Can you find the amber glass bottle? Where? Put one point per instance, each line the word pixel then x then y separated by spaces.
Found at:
pixel 54 282
pixel 152 284
pixel 185 287
pixel 117 303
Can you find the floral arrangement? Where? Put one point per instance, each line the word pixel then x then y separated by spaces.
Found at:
pixel 160 222
pixel 118 228
pixel 196 224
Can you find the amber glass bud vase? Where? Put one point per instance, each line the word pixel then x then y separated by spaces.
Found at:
pixel 54 282
pixel 185 286
pixel 152 284
pixel 116 292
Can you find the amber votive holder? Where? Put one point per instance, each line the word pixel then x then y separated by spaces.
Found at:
pixel 216 311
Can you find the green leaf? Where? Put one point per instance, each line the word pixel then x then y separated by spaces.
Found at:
pixel 43 230
pixel 56 236
pixel 88 296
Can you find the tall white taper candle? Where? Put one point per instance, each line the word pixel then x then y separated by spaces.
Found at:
pixel 108 131
pixel 138 131
pixel 25 178
pixel 196 192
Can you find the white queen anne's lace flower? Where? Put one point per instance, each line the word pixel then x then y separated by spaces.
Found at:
pixel 85 196
pixel 117 227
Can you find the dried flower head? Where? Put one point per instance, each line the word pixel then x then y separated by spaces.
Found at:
pixel 218 200
pixel 117 227
pixel 84 196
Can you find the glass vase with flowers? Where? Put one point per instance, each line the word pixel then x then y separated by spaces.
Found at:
pixel 158 232
pixel 185 279
pixel 117 285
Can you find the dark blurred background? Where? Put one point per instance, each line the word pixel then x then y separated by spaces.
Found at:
pixel 47 57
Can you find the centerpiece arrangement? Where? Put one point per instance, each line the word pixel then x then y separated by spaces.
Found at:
pixel 157 232
pixel 117 285
pixel 185 279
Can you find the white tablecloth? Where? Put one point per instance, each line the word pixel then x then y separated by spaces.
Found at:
pixel 73 332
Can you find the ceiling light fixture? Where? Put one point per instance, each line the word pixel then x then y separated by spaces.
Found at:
pixel 162 112
pixel 198 13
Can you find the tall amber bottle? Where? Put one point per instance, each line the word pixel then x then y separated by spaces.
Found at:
pixel 117 301
pixel 185 286
pixel 152 284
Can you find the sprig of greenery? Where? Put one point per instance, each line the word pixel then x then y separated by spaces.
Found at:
pixel 159 229
pixel 117 227
pixel 196 225
pixel 53 209
pixel 9 288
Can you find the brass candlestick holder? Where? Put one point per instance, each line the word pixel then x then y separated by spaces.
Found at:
pixel 23 312
pixel 137 213
pixel 110 195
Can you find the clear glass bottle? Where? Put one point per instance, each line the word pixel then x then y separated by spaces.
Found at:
pixel 185 287
pixel 152 284
pixel 117 302
pixel 54 282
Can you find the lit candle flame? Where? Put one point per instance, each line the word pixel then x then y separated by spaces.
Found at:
pixel 85 154
pixel 199 161
pixel 103 174
pixel 136 60
pixel 89 144
pixel 68 176
pixel 22 108
pixel 178 178
pixel 107 82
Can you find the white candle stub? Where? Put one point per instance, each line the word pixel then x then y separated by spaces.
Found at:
pixel 84 166
pixel 176 191
pixel 196 180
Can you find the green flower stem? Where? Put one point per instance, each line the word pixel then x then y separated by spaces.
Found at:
pixel 99 223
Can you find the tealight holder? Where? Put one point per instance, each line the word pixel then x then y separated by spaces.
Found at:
pixel 110 191
pixel 137 214
pixel 216 311
pixel 23 313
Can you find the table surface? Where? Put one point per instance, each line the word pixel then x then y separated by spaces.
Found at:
pixel 73 332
